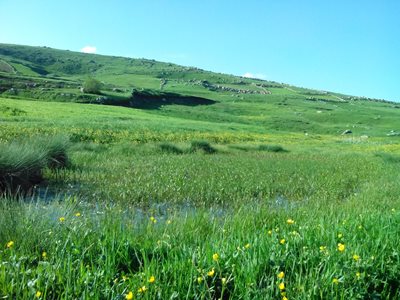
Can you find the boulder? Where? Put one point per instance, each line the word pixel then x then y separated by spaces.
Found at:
pixel 347 131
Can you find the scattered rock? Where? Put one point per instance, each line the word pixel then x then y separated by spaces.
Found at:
pixel 347 131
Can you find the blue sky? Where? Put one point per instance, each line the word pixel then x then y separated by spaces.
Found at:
pixel 351 47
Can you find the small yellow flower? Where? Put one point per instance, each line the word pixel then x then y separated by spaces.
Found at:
pixel 282 241
pixel 10 244
pixel 199 279
pixel 281 275
pixel 340 235
pixel 247 246
pixel 358 275
pixel 142 289
pixel 38 294
pixel 215 257
pixel 341 247
pixel 223 281
pixel 129 296
pixel 290 221
pixel 322 248
pixel 269 232
pixel 61 219
pixel 44 254
pixel 335 281
pixel 211 273
pixel 281 286
pixel 152 279
pixel 356 257
pixel 284 298
pixel 78 214
pixel 152 219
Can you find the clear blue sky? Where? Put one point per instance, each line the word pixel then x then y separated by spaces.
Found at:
pixel 344 46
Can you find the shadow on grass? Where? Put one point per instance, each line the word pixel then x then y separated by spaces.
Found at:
pixel 151 99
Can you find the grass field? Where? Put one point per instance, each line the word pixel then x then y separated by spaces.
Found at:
pixel 256 196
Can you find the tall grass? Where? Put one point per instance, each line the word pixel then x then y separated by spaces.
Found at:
pixel 22 162
pixel 69 250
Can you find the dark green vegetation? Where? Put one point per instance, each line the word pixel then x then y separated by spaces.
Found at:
pixel 22 163
pixel 178 183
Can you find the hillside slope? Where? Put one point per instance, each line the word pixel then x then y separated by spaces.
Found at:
pixel 187 93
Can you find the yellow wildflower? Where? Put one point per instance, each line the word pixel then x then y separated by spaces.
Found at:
pixel 281 275
pixel 335 281
pixel 61 219
pixel 269 232
pixel 356 257
pixel 215 257
pixel 211 273
pixel 152 219
pixel 38 294
pixel 282 241
pixel 78 214
pixel 284 298
pixel 281 286
pixel 341 247
pixel 247 246
pixel 10 244
pixel 44 254
pixel 358 275
pixel 199 279
pixel 142 289
pixel 152 279
pixel 340 235
pixel 290 221
pixel 322 248
pixel 129 296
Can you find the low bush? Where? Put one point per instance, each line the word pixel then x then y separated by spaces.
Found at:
pixel 202 146
pixel 271 148
pixel 22 162
pixel 170 148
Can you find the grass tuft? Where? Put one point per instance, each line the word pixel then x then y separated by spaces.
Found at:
pixel 22 163
pixel 271 148
pixel 202 146
pixel 170 148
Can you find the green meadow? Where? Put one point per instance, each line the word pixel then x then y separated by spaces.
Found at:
pixel 197 185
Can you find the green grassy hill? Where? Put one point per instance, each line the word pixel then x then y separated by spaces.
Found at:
pixel 189 94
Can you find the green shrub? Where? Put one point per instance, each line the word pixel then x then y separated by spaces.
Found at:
pixel 271 148
pixel 202 146
pixel 92 86
pixel 22 163
pixel 170 148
